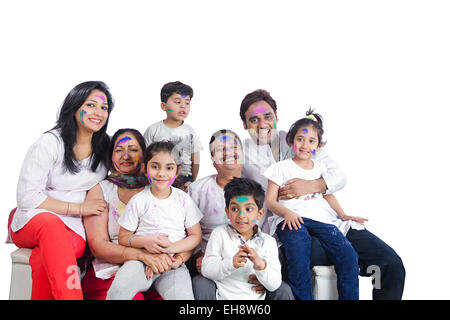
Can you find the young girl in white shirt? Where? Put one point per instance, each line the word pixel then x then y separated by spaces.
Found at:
pixel 161 219
pixel 295 220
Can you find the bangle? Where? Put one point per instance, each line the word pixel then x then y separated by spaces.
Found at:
pixel 129 239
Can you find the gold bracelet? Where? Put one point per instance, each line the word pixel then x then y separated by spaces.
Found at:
pixel 123 253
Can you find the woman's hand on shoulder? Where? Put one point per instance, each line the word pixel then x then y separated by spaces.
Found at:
pixel 92 207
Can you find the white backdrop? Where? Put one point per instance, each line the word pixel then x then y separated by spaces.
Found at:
pixel 377 71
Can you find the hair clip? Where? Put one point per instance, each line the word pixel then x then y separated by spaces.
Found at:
pixel 312 117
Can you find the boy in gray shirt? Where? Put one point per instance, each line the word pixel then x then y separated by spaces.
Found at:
pixel 175 101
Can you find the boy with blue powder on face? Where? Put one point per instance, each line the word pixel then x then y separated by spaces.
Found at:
pixel 175 101
pixel 238 249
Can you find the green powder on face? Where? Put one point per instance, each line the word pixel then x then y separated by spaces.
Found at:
pixel 241 199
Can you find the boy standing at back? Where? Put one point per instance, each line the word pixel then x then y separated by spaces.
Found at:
pixel 175 101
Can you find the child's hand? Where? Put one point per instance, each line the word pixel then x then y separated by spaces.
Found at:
pixel 258 262
pixel 292 220
pixel 185 186
pixel 157 243
pixel 240 258
pixel 357 219
pixel 177 261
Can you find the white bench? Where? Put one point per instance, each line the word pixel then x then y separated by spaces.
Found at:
pixel 324 278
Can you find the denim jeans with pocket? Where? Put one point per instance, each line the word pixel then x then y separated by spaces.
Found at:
pixel 297 247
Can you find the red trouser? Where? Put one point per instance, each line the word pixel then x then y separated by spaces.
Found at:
pixel 96 289
pixel 53 261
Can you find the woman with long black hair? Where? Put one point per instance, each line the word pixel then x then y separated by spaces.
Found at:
pixel 58 170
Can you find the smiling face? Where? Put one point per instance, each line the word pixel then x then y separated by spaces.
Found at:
pixel 127 154
pixel 261 122
pixel 93 113
pixel 227 154
pixel 162 170
pixel 243 213
pixel 177 107
pixel 306 142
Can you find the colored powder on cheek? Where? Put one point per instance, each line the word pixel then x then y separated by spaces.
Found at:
pixel 138 160
pixel 170 110
pixel 259 110
pixel 253 221
pixel 274 125
pixel 82 113
pixel 123 140
pixel 241 199
pixel 314 151
pixel 149 178
pixel 171 181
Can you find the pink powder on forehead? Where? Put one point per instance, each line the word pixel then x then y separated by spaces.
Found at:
pixel 259 110
pixel 101 97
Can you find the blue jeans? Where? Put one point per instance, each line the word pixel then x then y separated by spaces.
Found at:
pixel 297 247
pixel 372 251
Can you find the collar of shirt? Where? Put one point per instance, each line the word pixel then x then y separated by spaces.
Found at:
pixel 257 237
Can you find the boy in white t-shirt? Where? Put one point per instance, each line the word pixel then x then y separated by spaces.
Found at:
pixel 238 249
pixel 176 102
pixel 161 219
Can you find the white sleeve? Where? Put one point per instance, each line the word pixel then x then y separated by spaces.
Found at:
pixel 193 213
pixel 270 277
pixel 274 173
pixel 149 135
pixel 196 143
pixel 214 267
pixel 129 219
pixel 334 177
pixel 39 161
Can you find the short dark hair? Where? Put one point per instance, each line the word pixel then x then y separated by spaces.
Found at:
pixel 162 146
pixel 255 96
pixel 244 187
pixel 221 132
pixel 307 121
pixel 175 87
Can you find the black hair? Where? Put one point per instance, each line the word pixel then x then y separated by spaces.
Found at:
pixel 137 135
pixel 244 187
pixel 162 146
pixel 175 87
pixel 67 125
pixel 307 121
pixel 256 96
pixel 222 132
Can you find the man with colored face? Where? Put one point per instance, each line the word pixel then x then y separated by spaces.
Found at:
pixel 266 146
pixel 208 193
